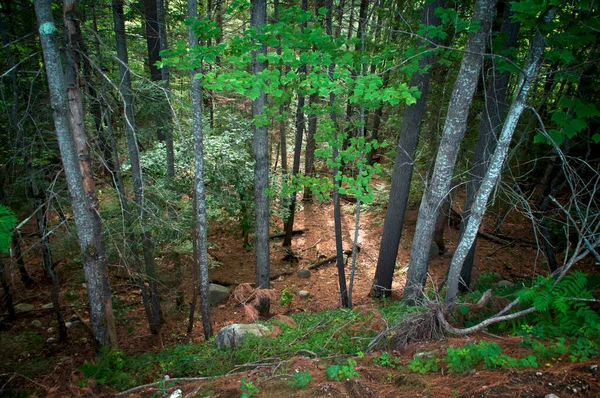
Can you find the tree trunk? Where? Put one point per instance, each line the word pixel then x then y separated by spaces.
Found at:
pixel 167 129
pixel 491 121
pixel 453 133
pixel 258 17
pixel 87 221
pixel 300 126
pixel 530 71
pixel 7 296
pixel 402 173
pixel 151 298
pixel 309 154
pixel 13 116
pixel 337 215
pixel 152 39
pixel 200 203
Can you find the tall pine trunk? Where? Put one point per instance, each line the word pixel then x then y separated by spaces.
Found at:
pixel 258 17
pixel 530 70
pixel 402 173
pixel 337 214
pixel 491 123
pixel 87 220
pixel 151 297
pixel 452 136
pixel 200 203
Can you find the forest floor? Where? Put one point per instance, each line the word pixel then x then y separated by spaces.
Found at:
pixel 30 360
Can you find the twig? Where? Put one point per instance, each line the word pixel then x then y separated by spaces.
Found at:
pixel 23 376
pixel 173 381
pixel 310 247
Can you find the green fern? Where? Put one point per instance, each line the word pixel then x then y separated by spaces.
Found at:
pixel 7 224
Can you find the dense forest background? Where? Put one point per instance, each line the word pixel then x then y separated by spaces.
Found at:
pixel 158 154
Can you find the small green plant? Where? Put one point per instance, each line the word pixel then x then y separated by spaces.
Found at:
pixel 163 387
pixel 488 354
pixel 582 350
pixel 286 297
pixel 300 379
pixel 247 388
pixel 423 364
pixel 107 369
pixel 386 360
pixel 344 371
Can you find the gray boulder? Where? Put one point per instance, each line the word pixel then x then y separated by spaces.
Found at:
pixel 24 307
pixel 48 306
pixel 217 293
pixel 434 250
pixel 37 324
pixel 303 273
pixel 303 294
pixel 232 335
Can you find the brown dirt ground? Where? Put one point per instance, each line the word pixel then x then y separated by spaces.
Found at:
pixel 513 262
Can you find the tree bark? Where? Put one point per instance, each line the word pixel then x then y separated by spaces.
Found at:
pixel 87 221
pixel 167 128
pixel 200 203
pixel 452 136
pixel 152 39
pixel 337 215
pixel 7 296
pixel 491 121
pixel 402 173
pixel 151 297
pixel 530 71
pixel 300 126
pixel 258 17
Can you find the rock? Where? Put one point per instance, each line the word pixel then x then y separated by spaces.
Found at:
pixel 48 306
pixel 303 294
pixel 448 254
pixel 51 340
pixel 217 293
pixel 504 284
pixel 551 396
pixel 303 273
pixel 69 324
pixel 232 335
pixel 426 354
pixel 176 394
pixel 37 324
pixel 24 307
pixel 434 249
pixel 51 330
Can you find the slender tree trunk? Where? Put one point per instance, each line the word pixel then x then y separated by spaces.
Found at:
pixel 300 126
pixel 309 154
pixel 258 17
pixel 491 122
pixel 13 116
pixel 452 136
pixel 25 277
pixel 151 298
pixel 402 173
pixel 87 221
pixel 152 39
pixel 337 215
pixel 530 71
pixel 167 128
pixel 7 296
pixel 200 203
